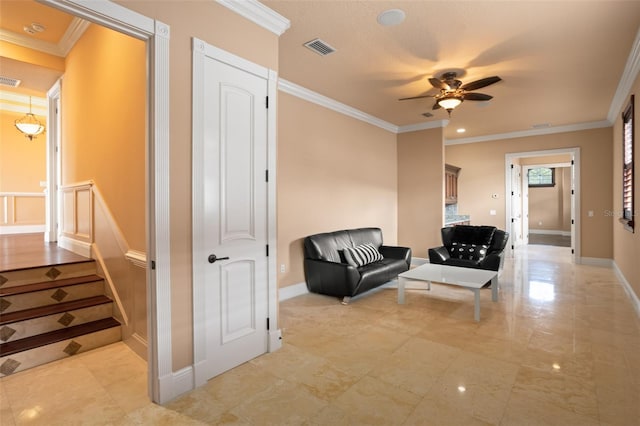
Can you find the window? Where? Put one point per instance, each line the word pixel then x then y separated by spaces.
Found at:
pixel 541 177
pixel 627 167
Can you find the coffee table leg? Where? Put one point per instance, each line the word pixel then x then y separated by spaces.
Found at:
pixel 400 290
pixel 494 289
pixel 476 307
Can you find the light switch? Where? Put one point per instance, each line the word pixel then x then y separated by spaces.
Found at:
pixel 590 213
pixel 492 212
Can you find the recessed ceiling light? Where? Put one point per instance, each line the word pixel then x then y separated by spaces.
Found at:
pixel 461 130
pixel 391 17
pixel 34 28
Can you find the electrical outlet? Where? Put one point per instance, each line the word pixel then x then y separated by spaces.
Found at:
pixel 283 269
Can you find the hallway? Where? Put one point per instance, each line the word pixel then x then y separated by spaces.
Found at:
pixel 560 347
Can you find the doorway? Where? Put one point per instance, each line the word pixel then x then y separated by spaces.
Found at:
pixel 156 36
pixel 514 161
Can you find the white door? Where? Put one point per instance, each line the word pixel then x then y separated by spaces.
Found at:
pixel 524 182
pixel 516 205
pixel 235 215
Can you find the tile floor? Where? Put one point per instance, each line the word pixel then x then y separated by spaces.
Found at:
pixel 561 347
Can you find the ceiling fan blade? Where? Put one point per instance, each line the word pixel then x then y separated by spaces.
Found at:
pixel 476 97
pixel 478 84
pixel 439 84
pixel 436 106
pixel 417 97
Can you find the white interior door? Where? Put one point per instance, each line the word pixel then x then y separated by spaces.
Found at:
pixel 235 215
pixel 524 182
pixel 516 205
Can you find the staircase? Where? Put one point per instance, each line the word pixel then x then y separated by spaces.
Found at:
pixel 52 312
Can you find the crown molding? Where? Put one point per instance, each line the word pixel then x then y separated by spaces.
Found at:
pixel 531 132
pixel 629 76
pixel 30 43
pixel 259 14
pixel 318 99
pixel 76 28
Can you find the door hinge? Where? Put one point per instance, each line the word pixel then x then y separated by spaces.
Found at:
pixel 512 193
pixel 512 166
pixel 268 323
pixel 572 222
pixel 572 192
pixel 573 251
pixel 572 162
pixel 267 102
pixel 266 175
pixel 512 220
pixel 153 264
pixel 512 247
pixel 267 250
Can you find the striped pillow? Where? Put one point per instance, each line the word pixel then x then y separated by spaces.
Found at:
pixel 362 255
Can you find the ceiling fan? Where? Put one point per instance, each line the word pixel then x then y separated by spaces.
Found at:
pixel 453 92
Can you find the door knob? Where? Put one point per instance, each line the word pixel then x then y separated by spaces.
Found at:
pixel 213 258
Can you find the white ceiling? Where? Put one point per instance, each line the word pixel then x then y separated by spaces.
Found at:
pixel 561 61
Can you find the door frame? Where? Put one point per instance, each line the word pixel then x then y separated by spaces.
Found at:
pixel 54 168
pixel 161 383
pixel 200 50
pixel 575 186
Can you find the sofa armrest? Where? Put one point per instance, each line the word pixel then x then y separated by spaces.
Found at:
pixel 396 252
pixel 331 278
pixel 492 262
pixel 438 254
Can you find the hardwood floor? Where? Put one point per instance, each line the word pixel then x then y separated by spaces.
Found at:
pixel 19 251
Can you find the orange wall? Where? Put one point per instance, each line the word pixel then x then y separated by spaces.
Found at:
pixel 420 190
pixel 483 173
pixel 334 172
pixel 23 163
pixel 103 124
pixel 627 244
pixel 217 25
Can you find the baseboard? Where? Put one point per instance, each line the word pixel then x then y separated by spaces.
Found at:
pixel 181 382
pixel 21 229
pixel 635 300
pixel 550 232
pixel 292 291
pixel 596 261
pixel 78 247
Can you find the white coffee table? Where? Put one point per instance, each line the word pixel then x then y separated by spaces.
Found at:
pixel 469 278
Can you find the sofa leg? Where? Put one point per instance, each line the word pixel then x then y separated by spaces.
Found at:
pixel 346 300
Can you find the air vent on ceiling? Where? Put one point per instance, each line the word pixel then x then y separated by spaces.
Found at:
pixel 8 81
pixel 320 47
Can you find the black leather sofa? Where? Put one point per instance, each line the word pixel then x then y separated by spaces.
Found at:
pixel 327 272
pixel 471 246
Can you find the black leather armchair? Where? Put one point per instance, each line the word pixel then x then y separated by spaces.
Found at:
pixel 471 246
pixel 327 272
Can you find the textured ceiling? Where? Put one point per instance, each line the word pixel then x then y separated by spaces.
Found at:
pixel 560 61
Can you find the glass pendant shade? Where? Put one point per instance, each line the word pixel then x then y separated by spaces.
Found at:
pixel 449 102
pixel 29 124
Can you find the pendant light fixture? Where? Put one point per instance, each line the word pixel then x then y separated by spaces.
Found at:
pixel 29 125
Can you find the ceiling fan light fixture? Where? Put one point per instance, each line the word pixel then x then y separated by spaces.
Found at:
pixel 449 102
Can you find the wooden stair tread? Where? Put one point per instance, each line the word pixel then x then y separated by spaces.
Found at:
pixel 57 308
pixel 46 285
pixel 55 261
pixel 28 343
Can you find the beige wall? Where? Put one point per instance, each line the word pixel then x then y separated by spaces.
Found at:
pixel 627 244
pixel 216 25
pixel 483 173
pixel 421 190
pixel 103 101
pixel 334 172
